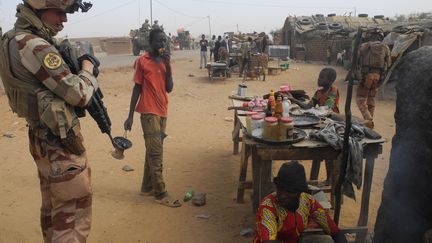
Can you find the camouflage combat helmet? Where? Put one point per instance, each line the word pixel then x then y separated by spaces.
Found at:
pixel 69 6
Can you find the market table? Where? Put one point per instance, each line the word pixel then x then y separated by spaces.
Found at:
pixel 263 154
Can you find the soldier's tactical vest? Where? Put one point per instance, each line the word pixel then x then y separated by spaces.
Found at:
pixel 31 99
pixel 22 95
pixel 374 55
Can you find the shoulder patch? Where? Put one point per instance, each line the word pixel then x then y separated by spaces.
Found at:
pixel 52 60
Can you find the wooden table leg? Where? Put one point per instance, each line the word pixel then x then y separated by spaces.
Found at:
pixel 236 134
pixel 364 210
pixel 244 159
pixel 315 170
pixel 262 185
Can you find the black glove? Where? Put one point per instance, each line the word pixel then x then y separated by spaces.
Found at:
pixel 91 59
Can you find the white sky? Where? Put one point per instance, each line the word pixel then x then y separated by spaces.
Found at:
pixel 117 17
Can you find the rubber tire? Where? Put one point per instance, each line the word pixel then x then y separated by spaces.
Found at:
pixel 305 21
pixel 379 17
pixel 321 26
pixel 363 15
pixel 335 26
pixel 331 15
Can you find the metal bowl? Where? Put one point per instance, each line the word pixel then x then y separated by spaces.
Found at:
pixel 122 143
pixel 306 120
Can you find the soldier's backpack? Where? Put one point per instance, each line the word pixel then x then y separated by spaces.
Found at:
pixel 374 55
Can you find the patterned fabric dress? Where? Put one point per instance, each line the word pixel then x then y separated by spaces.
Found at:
pixel 276 223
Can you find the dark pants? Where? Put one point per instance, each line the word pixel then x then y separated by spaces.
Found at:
pixel 243 64
pixel 216 54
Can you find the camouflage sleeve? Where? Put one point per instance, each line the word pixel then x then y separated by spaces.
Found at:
pixel 44 61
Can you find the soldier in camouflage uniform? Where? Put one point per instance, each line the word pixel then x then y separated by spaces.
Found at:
pixel 41 88
pixel 374 59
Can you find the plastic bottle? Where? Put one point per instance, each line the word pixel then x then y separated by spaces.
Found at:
pixel 269 111
pixel 286 107
pixel 189 194
pixel 272 100
pixel 278 107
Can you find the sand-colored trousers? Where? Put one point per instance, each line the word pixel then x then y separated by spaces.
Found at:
pixel 365 96
pixel 65 187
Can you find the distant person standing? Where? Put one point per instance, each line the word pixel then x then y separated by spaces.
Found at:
pixel 227 43
pixel 212 46
pixel 329 54
pixel 203 53
pixel 216 48
pixel 146 25
pixel 339 58
pixel 246 49
pixel 155 25
pixel 374 59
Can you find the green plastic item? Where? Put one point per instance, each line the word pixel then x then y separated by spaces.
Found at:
pixel 189 194
pixel 284 66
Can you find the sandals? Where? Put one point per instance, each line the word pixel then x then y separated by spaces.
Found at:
pixel 169 201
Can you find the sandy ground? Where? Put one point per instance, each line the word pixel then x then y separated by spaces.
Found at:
pixel 198 153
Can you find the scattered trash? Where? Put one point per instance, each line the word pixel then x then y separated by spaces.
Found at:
pixel 199 199
pixel 191 75
pixel 246 232
pixel 202 216
pixel 127 168
pixel 189 194
pixel 8 135
pixel 229 119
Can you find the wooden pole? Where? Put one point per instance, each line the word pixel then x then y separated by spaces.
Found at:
pixel 345 148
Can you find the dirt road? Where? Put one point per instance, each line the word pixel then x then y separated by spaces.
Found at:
pixel 198 153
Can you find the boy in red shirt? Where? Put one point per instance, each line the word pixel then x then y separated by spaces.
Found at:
pixel 153 80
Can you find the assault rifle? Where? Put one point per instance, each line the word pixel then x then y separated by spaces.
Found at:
pixel 95 107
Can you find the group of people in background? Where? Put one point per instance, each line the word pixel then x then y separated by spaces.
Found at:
pixel 219 49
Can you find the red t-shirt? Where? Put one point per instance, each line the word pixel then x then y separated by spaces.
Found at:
pixel 152 77
pixel 276 223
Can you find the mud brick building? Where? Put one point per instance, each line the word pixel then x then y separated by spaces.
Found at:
pixel 310 36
